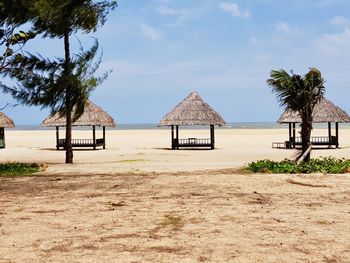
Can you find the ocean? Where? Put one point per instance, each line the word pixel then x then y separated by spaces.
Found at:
pixel 150 126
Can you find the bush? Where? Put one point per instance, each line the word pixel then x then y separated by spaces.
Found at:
pixel 18 169
pixel 323 165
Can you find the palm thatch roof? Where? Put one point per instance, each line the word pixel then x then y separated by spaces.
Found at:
pixel 324 111
pixel 6 122
pixel 92 116
pixel 192 111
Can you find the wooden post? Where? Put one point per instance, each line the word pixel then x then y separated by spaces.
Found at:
pixel 212 137
pixel 94 136
pixel 104 136
pixel 177 137
pixel 172 137
pixel 57 138
pixel 293 134
pixel 290 130
pixel 2 137
pixel 329 134
pixel 337 134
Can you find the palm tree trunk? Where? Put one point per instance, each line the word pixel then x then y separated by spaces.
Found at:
pixel 69 150
pixel 306 128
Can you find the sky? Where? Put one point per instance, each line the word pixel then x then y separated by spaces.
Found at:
pixel 161 50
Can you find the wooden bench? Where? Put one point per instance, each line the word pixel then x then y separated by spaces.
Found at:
pixel 193 142
pixel 81 143
pixel 319 140
pixel 315 141
pixel 281 145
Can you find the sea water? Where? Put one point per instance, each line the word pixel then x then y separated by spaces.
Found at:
pixel 153 126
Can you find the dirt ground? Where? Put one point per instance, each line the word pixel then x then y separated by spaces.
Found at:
pixel 210 216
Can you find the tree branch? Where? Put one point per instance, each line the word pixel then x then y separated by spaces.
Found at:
pixel 7 105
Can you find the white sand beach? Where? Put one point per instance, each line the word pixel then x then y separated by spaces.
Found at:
pixel 138 201
pixel 149 150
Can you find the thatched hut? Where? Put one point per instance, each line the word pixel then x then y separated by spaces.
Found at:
pixel 93 116
pixel 192 111
pixel 324 112
pixel 5 122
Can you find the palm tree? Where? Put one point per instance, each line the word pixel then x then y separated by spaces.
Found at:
pixel 301 94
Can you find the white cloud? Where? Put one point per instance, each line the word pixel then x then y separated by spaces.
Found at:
pixel 150 33
pixel 115 28
pixel 340 21
pixel 233 9
pixel 180 15
pixel 285 28
pixel 334 44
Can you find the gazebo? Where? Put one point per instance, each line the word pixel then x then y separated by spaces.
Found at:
pixel 324 112
pixel 5 122
pixel 192 111
pixel 93 116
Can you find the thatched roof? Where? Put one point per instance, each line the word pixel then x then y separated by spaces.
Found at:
pixel 6 122
pixel 325 111
pixel 192 111
pixel 92 116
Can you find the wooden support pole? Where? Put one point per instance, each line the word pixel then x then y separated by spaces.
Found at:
pixel 212 137
pixel 57 138
pixel 172 137
pixel 337 134
pixel 330 133
pixel 94 136
pixel 177 136
pixel 293 134
pixel 104 136
pixel 290 130
pixel 2 137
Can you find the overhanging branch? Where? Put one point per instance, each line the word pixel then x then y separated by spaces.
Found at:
pixel 4 107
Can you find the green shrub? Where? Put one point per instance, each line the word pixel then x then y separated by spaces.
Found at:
pixel 323 165
pixel 18 169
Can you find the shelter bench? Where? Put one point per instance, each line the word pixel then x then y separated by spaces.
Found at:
pixel 315 140
pixel 192 142
pixel 320 140
pixel 280 145
pixel 81 143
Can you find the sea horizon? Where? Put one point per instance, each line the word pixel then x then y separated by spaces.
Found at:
pixel 154 126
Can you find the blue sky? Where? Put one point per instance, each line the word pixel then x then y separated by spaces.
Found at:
pixel 161 50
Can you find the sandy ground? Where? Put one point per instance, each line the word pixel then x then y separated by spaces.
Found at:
pixel 137 201
pixel 148 150
pixel 179 217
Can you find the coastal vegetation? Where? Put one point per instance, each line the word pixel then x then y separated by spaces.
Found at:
pixel 327 165
pixel 301 94
pixel 18 169
pixel 62 84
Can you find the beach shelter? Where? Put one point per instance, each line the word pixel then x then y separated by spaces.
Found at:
pixel 324 112
pixel 192 111
pixel 5 122
pixel 93 116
